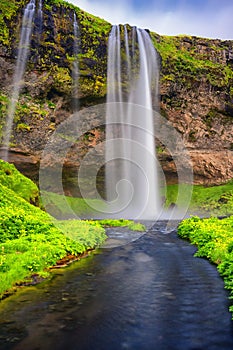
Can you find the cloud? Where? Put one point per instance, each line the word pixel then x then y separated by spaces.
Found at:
pixel 115 13
pixel 213 21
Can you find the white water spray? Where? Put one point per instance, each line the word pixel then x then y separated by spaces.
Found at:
pixel 23 51
pixel 131 165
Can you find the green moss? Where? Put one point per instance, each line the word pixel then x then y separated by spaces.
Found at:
pixel 31 240
pixel 83 232
pixel 58 3
pixel 8 11
pixel 231 92
pixel 131 225
pixel 181 64
pixel 14 180
pixel 60 206
pixel 23 127
pixel 28 112
pixel 62 79
pixel 160 149
pixel 214 200
pixel 3 111
pixel 186 63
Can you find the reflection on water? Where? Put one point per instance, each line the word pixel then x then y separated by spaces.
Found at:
pixel 148 294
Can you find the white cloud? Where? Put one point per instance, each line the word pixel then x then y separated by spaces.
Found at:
pixel 210 22
pixel 114 13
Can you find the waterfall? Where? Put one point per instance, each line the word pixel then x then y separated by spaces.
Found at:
pixel 132 189
pixel 23 51
pixel 40 17
pixel 75 71
pixel 128 61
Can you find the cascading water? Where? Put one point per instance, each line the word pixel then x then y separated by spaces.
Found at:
pixel 40 17
pixel 75 72
pixel 131 166
pixel 23 51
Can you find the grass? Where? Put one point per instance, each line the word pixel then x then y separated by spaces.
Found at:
pixel 32 241
pixel 14 180
pixel 63 207
pixel 131 225
pixel 215 200
pixel 183 65
pixel 214 240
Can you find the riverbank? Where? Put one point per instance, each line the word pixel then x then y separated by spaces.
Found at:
pixel 213 238
pixel 148 294
pixel 31 240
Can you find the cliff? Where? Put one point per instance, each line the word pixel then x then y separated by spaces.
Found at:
pixel 196 89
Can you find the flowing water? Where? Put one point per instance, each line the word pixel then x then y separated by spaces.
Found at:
pixel 131 164
pixel 22 57
pixel 40 17
pixel 75 72
pixel 150 294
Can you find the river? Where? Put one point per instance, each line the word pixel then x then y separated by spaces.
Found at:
pixel 149 294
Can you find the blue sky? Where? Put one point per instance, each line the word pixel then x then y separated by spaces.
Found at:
pixel 205 18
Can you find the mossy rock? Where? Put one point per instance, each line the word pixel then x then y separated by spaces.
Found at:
pixel 21 185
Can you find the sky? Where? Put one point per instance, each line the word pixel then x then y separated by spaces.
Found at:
pixel 204 18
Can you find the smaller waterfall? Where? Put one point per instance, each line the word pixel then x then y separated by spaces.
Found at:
pixel 40 17
pixel 75 72
pixel 132 189
pixel 128 61
pixel 23 51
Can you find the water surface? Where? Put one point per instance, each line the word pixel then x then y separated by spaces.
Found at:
pixel 148 294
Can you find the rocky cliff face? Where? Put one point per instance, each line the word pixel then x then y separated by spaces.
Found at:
pixel 197 97
pixel 196 89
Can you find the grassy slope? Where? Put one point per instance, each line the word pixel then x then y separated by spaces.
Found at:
pixel 14 180
pixel 215 200
pixel 205 201
pixel 31 240
pixel 214 240
pixel 184 65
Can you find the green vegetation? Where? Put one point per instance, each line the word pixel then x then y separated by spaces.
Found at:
pixel 32 241
pixel 14 180
pixel 184 64
pixel 3 109
pixel 131 225
pixel 8 10
pixel 61 206
pixel 216 200
pixel 214 240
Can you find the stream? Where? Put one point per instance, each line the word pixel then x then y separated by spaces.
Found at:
pixel 149 294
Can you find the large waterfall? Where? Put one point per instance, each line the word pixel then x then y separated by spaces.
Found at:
pixel 23 51
pixel 131 165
